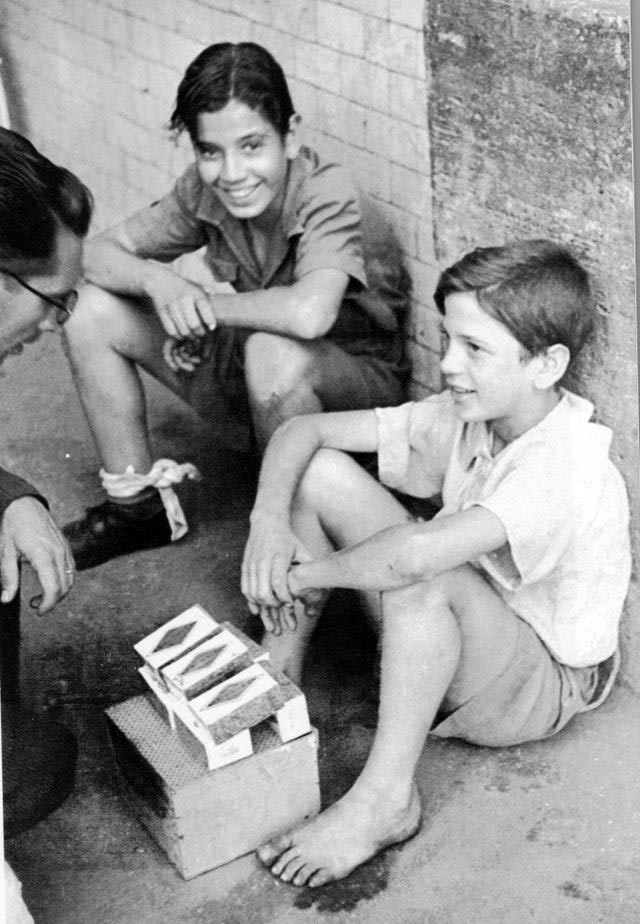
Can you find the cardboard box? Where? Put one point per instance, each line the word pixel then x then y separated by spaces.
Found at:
pixel 201 818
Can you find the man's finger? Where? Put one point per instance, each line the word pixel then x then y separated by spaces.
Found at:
pixel 9 573
pixel 51 591
pixel 48 565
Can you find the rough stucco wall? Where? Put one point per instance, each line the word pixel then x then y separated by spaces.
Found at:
pixel 529 113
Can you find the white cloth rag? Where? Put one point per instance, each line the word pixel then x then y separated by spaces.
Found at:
pixel 163 474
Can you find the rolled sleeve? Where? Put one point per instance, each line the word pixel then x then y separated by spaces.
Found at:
pixel 168 228
pixel 414 445
pixel 328 223
pixel 12 488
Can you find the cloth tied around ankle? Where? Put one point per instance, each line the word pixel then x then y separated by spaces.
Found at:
pixel 163 474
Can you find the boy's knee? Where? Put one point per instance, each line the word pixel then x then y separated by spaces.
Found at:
pixel 94 314
pixel 274 366
pixel 323 474
pixel 426 597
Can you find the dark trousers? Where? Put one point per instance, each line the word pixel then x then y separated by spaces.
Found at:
pixel 10 650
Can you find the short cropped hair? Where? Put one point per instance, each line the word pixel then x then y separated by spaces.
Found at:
pixel 245 72
pixel 536 288
pixel 36 197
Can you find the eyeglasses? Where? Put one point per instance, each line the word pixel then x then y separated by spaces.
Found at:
pixel 64 306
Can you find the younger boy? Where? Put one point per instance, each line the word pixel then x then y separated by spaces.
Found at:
pixel 499 617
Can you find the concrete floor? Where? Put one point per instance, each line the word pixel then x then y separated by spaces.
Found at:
pixel 548 832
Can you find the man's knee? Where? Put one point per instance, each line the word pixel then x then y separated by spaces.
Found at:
pixel 275 366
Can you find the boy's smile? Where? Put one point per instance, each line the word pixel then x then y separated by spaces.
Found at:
pixel 485 371
pixel 244 158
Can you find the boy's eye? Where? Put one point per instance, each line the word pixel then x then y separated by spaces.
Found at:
pixel 473 347
pixel 206 153
pixel 252 144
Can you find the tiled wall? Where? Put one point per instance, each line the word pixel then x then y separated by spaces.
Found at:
pixel 93 84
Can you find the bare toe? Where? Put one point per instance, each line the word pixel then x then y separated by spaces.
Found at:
pixel 289 856
pixel 292 869
pixel 320 878
pixel 272 850
pixel 303 875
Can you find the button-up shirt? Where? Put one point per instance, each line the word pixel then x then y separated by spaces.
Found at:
pixel 320 228
pixel 566 566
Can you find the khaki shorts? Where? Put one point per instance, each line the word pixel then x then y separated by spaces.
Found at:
pixel 533 698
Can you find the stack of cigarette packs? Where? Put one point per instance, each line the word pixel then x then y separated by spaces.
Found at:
pixel 213 685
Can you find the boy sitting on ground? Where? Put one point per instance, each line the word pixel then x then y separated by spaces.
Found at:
pixel 499 617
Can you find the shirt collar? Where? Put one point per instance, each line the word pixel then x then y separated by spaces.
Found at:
pixel 477 438
pixel 211 209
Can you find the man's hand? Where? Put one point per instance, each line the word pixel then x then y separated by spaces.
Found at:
pixel 268 555
pixel 184 308
pixel 27 531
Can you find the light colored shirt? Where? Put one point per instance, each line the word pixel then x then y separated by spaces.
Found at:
pixel 562 502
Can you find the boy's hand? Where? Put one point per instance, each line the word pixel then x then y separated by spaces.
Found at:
pixel 312 598
pixel 270 550
pixel 185 355
pixel 184 308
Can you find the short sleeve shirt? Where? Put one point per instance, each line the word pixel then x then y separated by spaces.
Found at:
pixel 320 228
pixel 563 504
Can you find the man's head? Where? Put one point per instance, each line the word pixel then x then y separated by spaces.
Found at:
pixel 536 288
pixel 45 213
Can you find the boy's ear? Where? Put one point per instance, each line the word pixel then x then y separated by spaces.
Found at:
pixel 549 367
pixel 293 138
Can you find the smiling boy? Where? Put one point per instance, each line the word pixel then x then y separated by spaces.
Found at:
pixel 295 330
pixel 499 617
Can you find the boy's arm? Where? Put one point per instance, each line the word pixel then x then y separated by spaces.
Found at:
pixel 272 546
pixel 306 309
pixel 404 555
pixel 184 308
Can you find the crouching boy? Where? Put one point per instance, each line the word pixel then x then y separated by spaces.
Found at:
pixel 499 617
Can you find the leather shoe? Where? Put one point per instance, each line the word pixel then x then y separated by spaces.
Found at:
pixel 109 530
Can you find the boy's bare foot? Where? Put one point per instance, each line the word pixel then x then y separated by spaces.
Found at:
pixel 284 655
pixel 348 833
pixel 287 650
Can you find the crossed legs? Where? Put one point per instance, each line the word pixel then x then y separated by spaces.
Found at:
pixel 442 642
